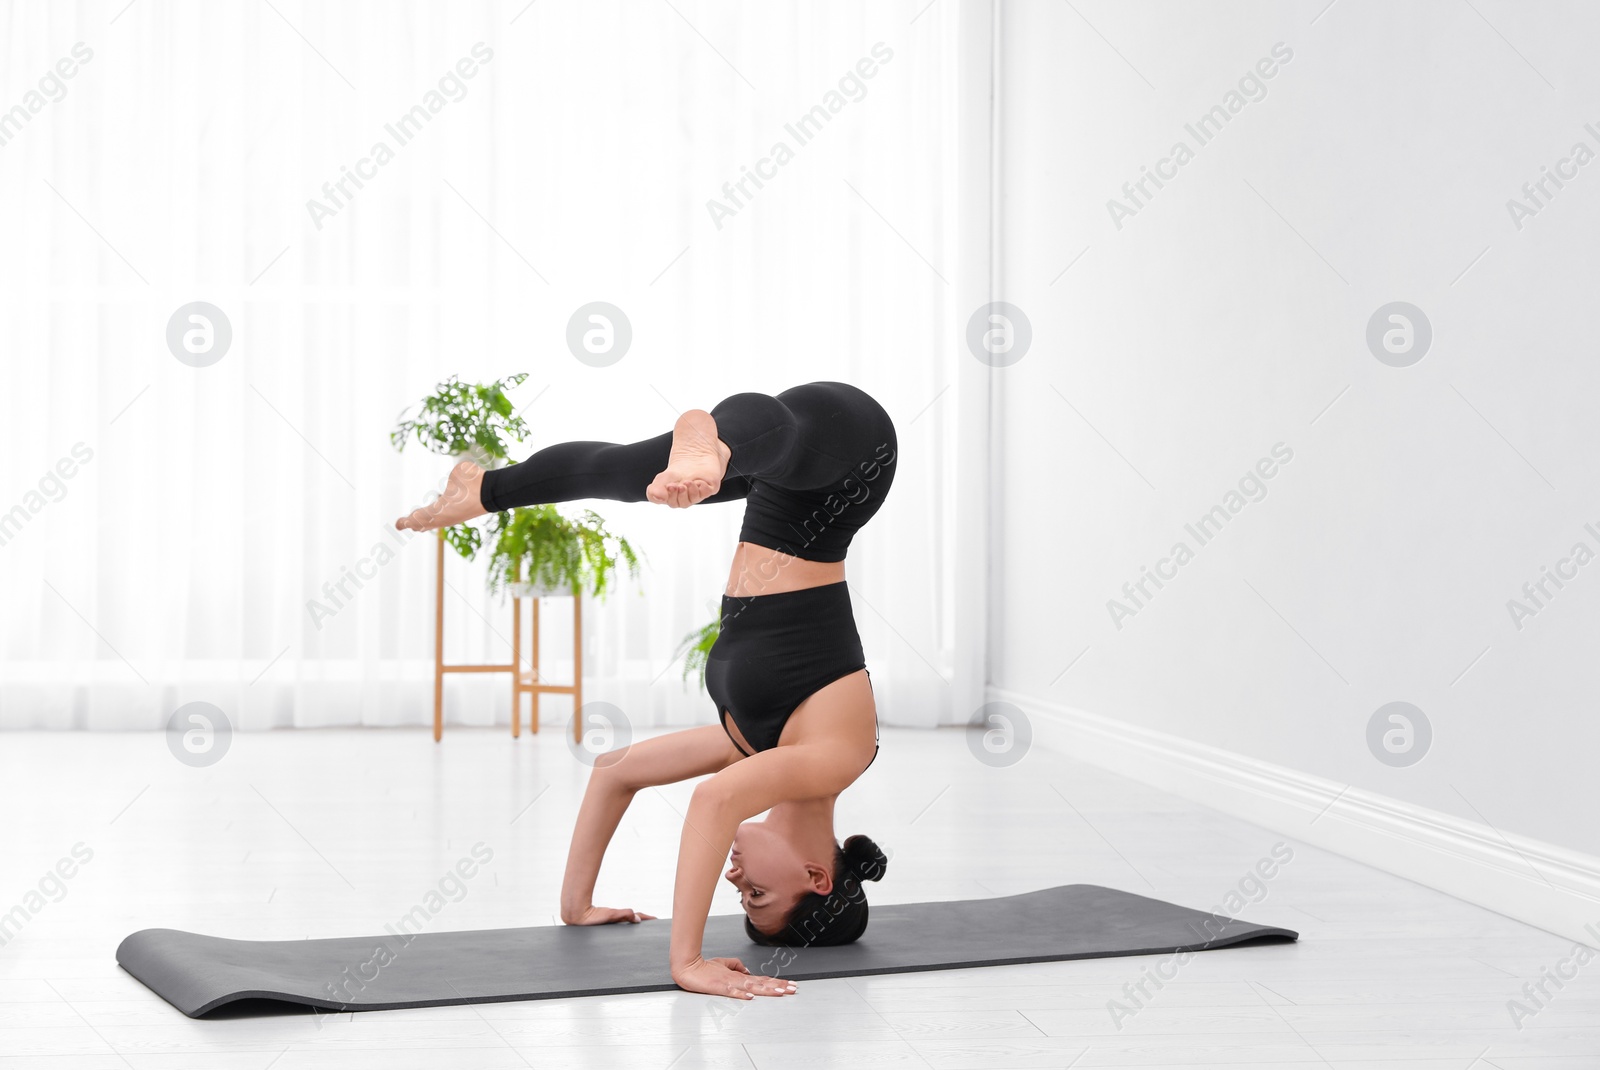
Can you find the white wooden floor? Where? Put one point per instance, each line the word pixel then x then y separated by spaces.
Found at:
pixel 329 833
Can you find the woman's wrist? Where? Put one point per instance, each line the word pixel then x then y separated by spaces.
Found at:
pixel 684 949
pixel 678 965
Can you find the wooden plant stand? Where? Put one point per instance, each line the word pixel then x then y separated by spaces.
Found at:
pixel 522 683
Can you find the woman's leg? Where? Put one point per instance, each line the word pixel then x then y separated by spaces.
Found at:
pixel 566 471
pixel 570 470
pixel 811 435
pixel 808 437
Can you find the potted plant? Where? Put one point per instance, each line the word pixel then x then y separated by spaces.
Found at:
pixel 696 647
pixel 538 551
pixel 469 422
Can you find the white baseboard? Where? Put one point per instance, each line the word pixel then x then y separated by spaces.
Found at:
pixel 1550 887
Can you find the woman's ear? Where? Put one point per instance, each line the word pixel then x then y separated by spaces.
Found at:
pixel 819 879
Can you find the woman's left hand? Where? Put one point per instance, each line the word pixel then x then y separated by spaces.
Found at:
pixel 729 977
pixel 608 916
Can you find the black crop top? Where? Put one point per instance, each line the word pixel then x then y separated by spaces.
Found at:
pixel 818 524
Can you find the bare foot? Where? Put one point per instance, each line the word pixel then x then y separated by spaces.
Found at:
pixel 695 466
pixel 458 503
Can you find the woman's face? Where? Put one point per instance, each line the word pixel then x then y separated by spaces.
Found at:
pixel 771 875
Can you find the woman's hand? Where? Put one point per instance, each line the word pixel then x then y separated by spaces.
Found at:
pixel 606 916
pixel 728 977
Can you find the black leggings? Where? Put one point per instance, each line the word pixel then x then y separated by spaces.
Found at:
pixel 813 464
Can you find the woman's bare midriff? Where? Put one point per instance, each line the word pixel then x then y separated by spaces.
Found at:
pixel 761 570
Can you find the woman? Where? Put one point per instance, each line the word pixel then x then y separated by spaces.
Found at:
pixel 794 697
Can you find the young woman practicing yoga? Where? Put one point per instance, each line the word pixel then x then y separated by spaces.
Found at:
pixel 787 672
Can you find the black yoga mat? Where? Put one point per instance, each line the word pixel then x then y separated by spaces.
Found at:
pixel 198 974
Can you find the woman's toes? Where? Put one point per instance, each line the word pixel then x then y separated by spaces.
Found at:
pixel 696 462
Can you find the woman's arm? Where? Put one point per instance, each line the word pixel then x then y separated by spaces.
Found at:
pixel 739 792
pixel 617 776
pixel 604 803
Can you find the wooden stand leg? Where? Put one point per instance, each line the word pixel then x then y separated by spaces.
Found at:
pixel 535 685
pixel 438 639
pixel 533 718
pixel 516 668
pixel 577 667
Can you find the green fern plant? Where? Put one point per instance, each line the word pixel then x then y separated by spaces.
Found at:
pixel 696 649
pixel 470 418
pixel 539 545
pixel 465 539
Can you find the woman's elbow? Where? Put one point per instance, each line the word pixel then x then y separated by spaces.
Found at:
pixel 712 799
pixel 611 771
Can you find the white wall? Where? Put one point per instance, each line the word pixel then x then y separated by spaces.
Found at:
pixel 1225 317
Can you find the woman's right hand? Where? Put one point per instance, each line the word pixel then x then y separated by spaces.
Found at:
pixel 605 916
pixel 728 977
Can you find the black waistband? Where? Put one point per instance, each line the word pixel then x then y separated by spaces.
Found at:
pixel 822 592
pixel 811 618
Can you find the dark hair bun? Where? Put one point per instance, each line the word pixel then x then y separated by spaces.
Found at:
pixel 865 858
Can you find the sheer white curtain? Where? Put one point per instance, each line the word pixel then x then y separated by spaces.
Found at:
pixel 166 526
